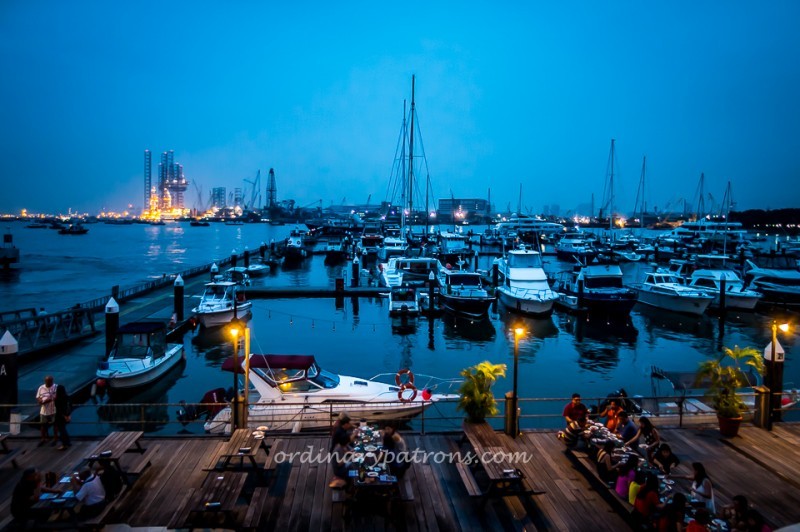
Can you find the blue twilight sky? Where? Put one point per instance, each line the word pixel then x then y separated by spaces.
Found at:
pixel 507 93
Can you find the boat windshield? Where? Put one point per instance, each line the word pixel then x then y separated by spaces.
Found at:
pixel 404 294
pixel 464 280
pixel 528 260
pixel 324 379
pixel 136 345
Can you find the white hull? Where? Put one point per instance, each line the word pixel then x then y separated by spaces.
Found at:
pixel 315 416
pixel 132 373
pixel 686 305
pixel 734 300
pixel 526 301
pixel 223 317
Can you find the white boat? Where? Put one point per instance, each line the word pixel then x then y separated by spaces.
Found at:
pixel 454 248
pixel 393 246
pixel 463 293
pixel 778 286
pixel 140 355
pixel 736 295
pixel 404 301
pixel 575 246
pixel 525 288
pixel 216 305
pixel 369 244
pixel 257 269
pixel 238 274
pixel 705 229
pixel 409 270
pixel 596 289
pixel 524 223
pixel 292 393
pixel 294 249
pixel 664 290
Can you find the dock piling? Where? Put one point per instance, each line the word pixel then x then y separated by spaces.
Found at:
pixel 112 324
pixel 178 298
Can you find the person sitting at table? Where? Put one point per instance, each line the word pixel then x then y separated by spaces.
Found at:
pixel 702 489
pixel 611 413
pixel 627 471
pixel 626 430
pixel 339 455
pixel 606 468
pixel 89 491
pixel 26 494
pixel 702 518
pixel 342 432
pixel 636 484
pixel 755 521
pixel 665 459
pixel 396 451
pixel 574 433
pixel 673 515
pixel 651 438
pixel 111 479
pixel 736 513
pixel 647 502
pixel 575 410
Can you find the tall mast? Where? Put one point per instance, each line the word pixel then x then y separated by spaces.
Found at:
pixel 411 154
pixel 611 191
pixel 641 205
pixel 519 205
pixel 701 205
pixel 403 174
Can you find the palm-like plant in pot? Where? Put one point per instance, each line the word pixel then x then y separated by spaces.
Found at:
pixel 477 400
pixel 724 376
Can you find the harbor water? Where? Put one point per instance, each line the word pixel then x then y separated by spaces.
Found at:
pixel 557 356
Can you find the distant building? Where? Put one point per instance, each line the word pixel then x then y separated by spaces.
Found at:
pixel 148 178
pixel 463 209
pixel 171 182
pixel 218 198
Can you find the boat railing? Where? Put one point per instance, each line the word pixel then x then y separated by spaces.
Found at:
pixel 102 416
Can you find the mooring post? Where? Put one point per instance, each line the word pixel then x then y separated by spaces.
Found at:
pixel 431 287
pixel 233 258
pixel 214 270
pixel 356 273
pixel 495 274
pixel 246 257
pixel 112 324
pixel 262 249
pixel 178 298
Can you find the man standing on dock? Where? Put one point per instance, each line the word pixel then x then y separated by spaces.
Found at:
pixel 46 397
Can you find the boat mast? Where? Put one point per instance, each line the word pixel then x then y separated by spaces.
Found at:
pixel 701 206
pixel 402 176
pixel 640 195
pixel 611 191
pixel 411 154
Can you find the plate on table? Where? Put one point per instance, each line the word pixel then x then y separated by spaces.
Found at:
pixel 370 448
pixel 668 482
pixel 262 428
pixel 373 474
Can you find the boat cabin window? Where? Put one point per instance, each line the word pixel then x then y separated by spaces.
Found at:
pixel 705 283
pixel 528 260
pixel 135 345
pixel 603 282
pixel 326 379
pixel 403 295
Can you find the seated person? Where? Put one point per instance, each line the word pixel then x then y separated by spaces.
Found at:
pixel 396 452
pixel 111 478
pixel 627 472
pixel 702 518
pixel 673 516
pixel 89 491
pixel 626 430
pixel 575 410
pixel 26 494
pixel 339 456
pixel 611 413
pixel 652 439
pixel 606 468
pixel 573 434
pixel 665 459
pixel 736 513
pixel 342 432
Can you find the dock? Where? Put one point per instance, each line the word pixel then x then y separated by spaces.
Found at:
pixel 761 465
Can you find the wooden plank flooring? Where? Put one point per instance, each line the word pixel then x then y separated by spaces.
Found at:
pixel 761 465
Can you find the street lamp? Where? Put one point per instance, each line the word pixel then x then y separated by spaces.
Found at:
pixel 236 328
pixel 518 332
pixel 775 372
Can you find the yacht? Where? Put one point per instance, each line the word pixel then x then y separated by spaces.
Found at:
pixel 463 293
pixel 525 288
pixel 736 295
pixel 293 393
pixel 220 302
pixel 525 223
pixel 778 286
pixel 708 230
pixel 140 356
pixel 393 246
pixel 238 274
pixel 410 271
pixel 575 246
pixel 369 244
pixel 596 289
pixel 454 249
pixel 662 289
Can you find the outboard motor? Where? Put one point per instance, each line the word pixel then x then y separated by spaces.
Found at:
pixel 217 395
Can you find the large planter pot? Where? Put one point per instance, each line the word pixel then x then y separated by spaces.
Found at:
pixel 729 426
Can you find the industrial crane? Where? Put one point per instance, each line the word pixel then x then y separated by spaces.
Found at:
pixel 255 194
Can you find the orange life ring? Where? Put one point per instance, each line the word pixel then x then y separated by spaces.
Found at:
pixel 405 387
pixel 398 379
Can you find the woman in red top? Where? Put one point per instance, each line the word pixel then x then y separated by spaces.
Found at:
pixel 647 501
pixel 610 412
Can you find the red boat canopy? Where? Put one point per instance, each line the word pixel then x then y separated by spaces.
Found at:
pixel 273 362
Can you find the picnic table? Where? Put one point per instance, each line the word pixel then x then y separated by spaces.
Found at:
pixel 244 444
pixel 114 446
pixel 504 476
pixel 217 495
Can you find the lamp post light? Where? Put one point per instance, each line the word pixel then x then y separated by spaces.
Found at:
pixel 774 377
pixel 518 332
pixel 236 328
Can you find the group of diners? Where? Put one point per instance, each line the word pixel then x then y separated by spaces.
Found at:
pixel 632 459
pixel 391 447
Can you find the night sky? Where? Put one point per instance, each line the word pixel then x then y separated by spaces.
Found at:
pixel 517 93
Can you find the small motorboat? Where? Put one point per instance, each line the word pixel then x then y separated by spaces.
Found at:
pixel 257 269
pixel 404 301
pixel 140 355
pixel 73 229
pixel 664 290
pixel 525 289
pixel 220 303
pixel 294 393
pixel 463 293
pixel 736 295
pixel 9 253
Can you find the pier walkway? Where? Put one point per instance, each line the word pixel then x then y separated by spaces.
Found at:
pixel 295 496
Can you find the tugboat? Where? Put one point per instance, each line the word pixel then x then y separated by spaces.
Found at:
pixel 73 229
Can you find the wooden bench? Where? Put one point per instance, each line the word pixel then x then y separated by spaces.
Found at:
pixel 256 508
pixel 589 469
pixel 269 463
pixel 145 461
pixel 469 480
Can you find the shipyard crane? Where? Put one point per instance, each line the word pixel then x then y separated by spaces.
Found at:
pixel 255 194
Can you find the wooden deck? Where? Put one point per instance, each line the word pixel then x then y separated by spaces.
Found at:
pixel 761 465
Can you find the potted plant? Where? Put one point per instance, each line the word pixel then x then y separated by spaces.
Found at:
pixel 724 376
pixel 477 400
